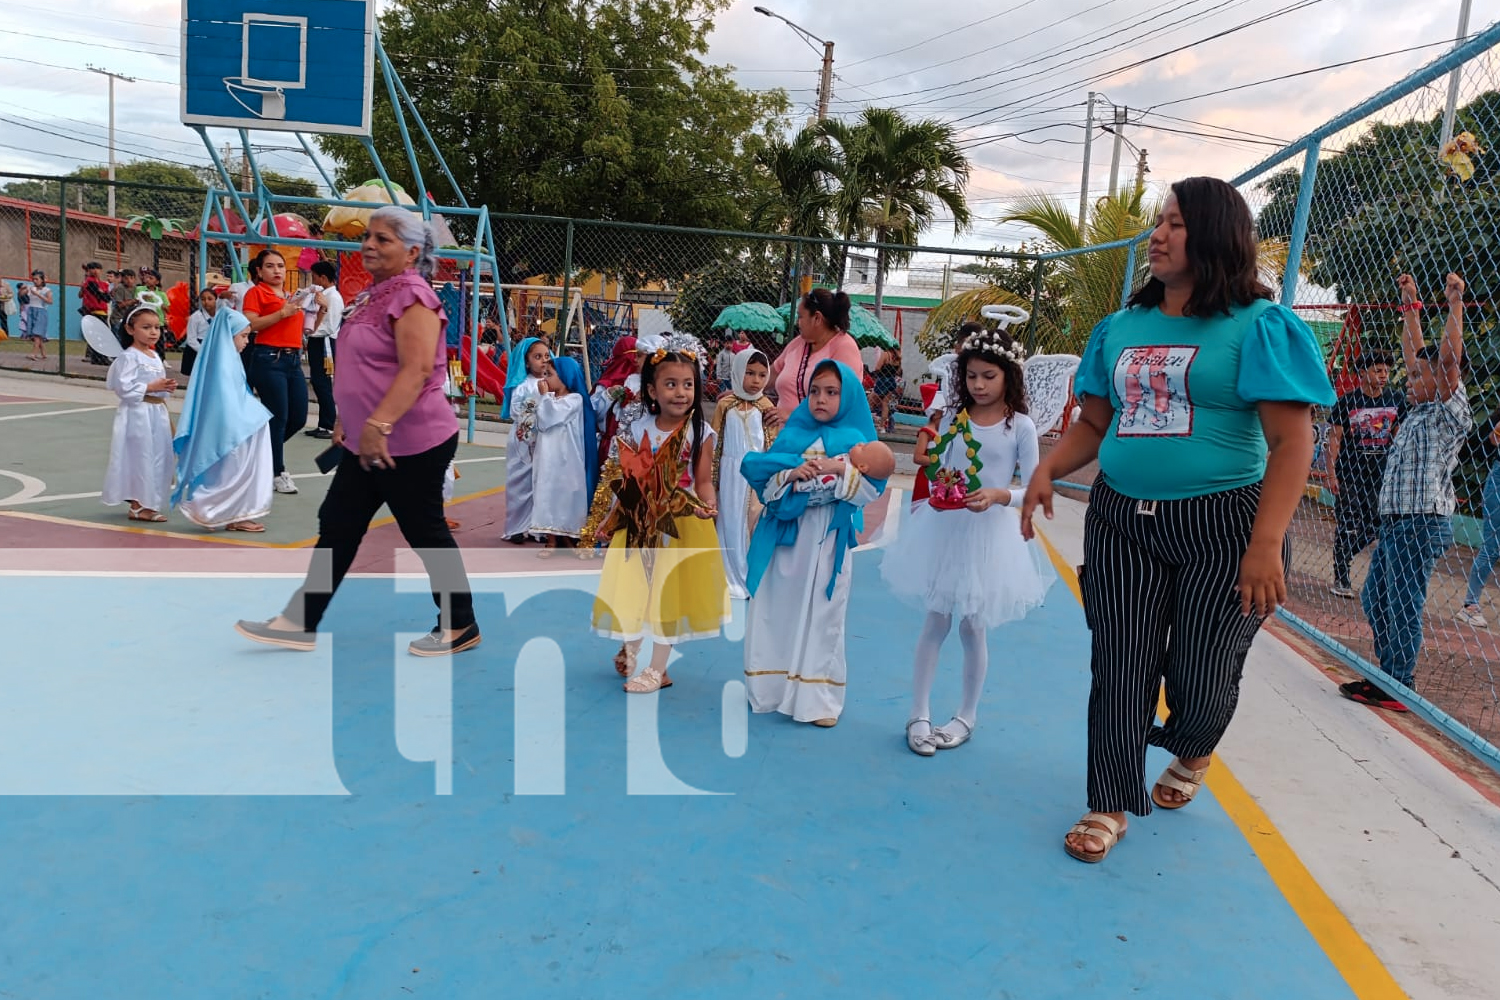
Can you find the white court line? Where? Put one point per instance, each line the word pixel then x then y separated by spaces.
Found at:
pixel 118 574
pixel 57 413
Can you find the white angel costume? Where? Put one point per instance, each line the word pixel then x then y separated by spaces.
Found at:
pixel 140 448
pixel 520 407
pixel 223 441
pixel 559 464
pixel 740 424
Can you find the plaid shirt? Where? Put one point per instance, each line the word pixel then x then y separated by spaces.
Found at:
pixel 1419 469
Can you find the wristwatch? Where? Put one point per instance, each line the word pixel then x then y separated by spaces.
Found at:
pixel 384 429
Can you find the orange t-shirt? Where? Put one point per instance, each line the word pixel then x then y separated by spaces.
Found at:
pixel 263 301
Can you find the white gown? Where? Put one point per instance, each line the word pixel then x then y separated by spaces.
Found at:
pixel 975 564
pixel 560 500
pixel 141 460
pixel 794 636
pixel 236 488
pixel 744 431
pixel 520 487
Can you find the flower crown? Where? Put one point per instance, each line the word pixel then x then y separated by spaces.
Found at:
pixel 993 342
pixel 681 344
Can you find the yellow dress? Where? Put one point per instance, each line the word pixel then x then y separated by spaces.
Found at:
pixel 663 573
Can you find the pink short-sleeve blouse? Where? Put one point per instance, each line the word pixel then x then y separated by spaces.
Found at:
pixel 367 366
pixel 794 367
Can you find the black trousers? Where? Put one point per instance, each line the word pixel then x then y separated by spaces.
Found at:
pixel 1356 513
pixel 413 491
pixel 1159 595
pixel 319 348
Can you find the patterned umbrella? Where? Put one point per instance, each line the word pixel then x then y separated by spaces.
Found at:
pixel 863 327
pixel 752 317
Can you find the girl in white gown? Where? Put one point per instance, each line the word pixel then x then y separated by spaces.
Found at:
pixel 564 454
pixel 745 421
pixel 961 554
pixel 799 568
pixel 140 449
pixel 523 379
pixel 223 441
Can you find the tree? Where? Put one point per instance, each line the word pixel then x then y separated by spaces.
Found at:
pixel 892 175
pixel 795 197
pixel 155 228
pixel 595 109
pixel 749 276
pixel 180 194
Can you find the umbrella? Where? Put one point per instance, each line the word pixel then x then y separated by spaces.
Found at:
pixel 863 327
pixel 754 317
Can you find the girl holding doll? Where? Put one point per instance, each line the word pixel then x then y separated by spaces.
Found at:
pixel 961 553
pixel 141 460
pixel 824 465
pixel 744 422
pixel 663 577
pixel 525 374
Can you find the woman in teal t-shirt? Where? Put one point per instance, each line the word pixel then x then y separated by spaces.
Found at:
pixel 1197 404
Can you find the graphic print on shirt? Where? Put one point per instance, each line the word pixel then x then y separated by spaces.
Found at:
pixel 1152 384
pixel 1373 427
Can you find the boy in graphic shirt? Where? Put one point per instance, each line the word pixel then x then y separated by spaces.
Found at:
pixel 1360 432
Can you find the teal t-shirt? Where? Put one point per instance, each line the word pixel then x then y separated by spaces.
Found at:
pixel 1184 391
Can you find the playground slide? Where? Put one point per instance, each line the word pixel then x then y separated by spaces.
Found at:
pixel 490 380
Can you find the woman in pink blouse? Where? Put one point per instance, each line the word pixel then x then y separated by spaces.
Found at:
pixel 822 335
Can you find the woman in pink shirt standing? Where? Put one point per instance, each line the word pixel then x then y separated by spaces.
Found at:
pixel 822 335
pixel 398 435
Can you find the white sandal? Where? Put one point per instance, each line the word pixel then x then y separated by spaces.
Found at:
pixel 1102 827
pixel 923 746
pixel 949 740
pixel 1178 778
pixel 648 681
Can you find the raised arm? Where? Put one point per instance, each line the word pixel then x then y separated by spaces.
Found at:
pixel 1451 353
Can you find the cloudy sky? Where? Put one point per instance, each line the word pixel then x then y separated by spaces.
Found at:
pixel 1012 75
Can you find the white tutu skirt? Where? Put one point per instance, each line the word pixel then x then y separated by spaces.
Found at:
pixel 968 564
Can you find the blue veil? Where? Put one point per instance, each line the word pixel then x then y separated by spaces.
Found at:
pixel 515 372
pixel 220 413
pixel 571 373
pixel 779 523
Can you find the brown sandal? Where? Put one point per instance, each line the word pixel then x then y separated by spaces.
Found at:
pixel 1180 779
pixel 1104 828
pixel 252 527
pixel 625 660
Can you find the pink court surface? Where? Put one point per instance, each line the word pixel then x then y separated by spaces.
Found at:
pixel 189 815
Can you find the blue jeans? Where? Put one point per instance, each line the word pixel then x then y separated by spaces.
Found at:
pixel 1489 549
pixel 1396 590
pixel 276 376
pixel 319 349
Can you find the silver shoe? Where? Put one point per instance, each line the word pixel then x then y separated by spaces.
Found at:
pixel 948 740
pixel 923 746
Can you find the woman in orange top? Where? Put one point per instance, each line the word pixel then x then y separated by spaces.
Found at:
pixel 275 367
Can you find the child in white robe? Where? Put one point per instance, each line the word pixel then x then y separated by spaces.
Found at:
pixel 799 573
pixel 745 421
pixel 223 442
pixel 523 378
pixel 564 453
pixel 140 448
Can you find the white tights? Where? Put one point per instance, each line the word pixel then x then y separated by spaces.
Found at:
pixel 924 671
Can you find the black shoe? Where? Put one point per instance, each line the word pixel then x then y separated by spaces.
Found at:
pixel 432 643
pixel 301 641
pixel 321 433
pixel 1368 694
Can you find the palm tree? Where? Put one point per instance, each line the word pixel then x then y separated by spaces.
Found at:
pixel 155 228
pixel 892 176
pixel 797 201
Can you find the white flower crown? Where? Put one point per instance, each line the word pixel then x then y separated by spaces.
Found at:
pixel 992 342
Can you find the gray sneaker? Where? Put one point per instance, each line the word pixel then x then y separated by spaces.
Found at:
pixel 1472 616
pixel 1342 590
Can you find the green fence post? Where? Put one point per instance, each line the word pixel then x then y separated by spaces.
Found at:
pixel 1036 306
pixel 559 329
pixel 62 278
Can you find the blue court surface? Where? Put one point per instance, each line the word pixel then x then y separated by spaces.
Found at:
pixel 192 816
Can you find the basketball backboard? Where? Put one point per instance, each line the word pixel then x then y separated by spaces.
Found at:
pixel 284 65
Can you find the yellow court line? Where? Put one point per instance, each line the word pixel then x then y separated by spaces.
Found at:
pixel 1356 961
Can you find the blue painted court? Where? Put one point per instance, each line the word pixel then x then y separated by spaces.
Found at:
pixel 191 816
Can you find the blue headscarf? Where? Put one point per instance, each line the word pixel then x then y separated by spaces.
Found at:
pixel 515 372
pixel 220 413
pixel 779 522
pixel 571 373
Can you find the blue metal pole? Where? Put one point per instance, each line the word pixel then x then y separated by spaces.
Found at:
pixel 1299 225
pixel 411 154
pixel 332 189
pixel 209 201
pixel 379 168
pixel 262 195
pixel 234 193
pixel 1125 286
pixel 431 143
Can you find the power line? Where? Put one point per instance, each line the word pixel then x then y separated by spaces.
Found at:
pixel 80 69
pixel 952 31
pixel 93 43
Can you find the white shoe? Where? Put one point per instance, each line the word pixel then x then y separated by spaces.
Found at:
pixel 1474 618
pixel 283 484
pixel 1339 590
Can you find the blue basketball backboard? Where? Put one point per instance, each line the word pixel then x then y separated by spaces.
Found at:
pixel 284 65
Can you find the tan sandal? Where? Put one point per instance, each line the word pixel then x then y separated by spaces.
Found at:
pixel 647 681
pixel 1102 827
pixel 252 527
pixel 625 660
pixel 1178 778
pixel 143 514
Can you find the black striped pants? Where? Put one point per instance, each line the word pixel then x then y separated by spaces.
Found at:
pixel 1159 595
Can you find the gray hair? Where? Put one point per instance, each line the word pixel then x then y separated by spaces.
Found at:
pixel 413 231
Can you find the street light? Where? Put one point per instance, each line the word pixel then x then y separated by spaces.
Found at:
pixel 825 84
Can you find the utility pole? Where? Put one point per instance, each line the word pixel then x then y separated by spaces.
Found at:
pixel 1453 78
pixel 112 78
pixel 1114 163
pixel 1140 172
pixel 1088 148
pixel 825 84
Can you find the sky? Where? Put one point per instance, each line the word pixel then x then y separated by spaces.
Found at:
pixel 1012 76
